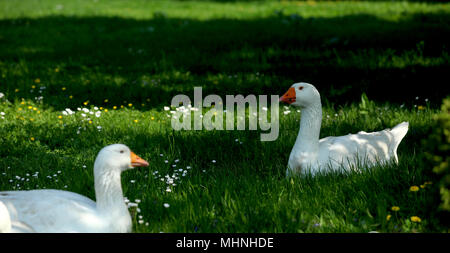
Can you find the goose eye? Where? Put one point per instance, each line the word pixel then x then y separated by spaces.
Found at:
pixel 300 88
pixel 121 151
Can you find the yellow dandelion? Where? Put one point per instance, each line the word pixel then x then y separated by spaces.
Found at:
pixel 415 219
pixel 422 186
pixel 37 80
pixel 388 217
pixel 86 103
pixel 31 119
pixel 142 104
pixel 395 208
pixel 121 106
pixel 114 107
pixel 153 118
pixel 22 103
pixel 135 121
pixel 101 108
pixel 30 107
pixel 20 109
pixel 33 86
pixel 34 109
pixel 421 107
pixel 57 70
pixel 106 100
pixel 63 88
pixel 130 105
pixel 16 90
pixel 70 97
pixel 414 188
pixel 428 182
pixel 106 110
pixel 38 111
pixel 90 121
pixel 32 139
pixel 59 117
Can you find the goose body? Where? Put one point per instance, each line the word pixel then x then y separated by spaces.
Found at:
pixel 56 211
pixel 349 152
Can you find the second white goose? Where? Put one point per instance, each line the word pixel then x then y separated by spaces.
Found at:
pixel 312 155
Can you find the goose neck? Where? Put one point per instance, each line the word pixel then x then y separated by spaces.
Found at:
pixel 108 190
pixel 310 122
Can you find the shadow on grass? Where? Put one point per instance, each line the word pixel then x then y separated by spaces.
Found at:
pixel 147 62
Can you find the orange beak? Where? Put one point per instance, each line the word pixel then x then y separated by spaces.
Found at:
pixel 136 161
pixel 289 96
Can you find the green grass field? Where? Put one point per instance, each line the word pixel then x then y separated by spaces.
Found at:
pixel 125 60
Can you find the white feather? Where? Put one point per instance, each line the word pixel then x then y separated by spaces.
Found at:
pixel 11 226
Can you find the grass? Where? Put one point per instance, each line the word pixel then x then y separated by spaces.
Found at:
pixel 138 55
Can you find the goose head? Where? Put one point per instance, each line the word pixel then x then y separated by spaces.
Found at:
pixel 302 95
pixel 119 157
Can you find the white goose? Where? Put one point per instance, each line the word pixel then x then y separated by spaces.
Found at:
pixel 335 153
pixel 55 211
pixel 9 226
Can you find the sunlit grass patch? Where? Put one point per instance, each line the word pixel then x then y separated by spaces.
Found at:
pixel 206 181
